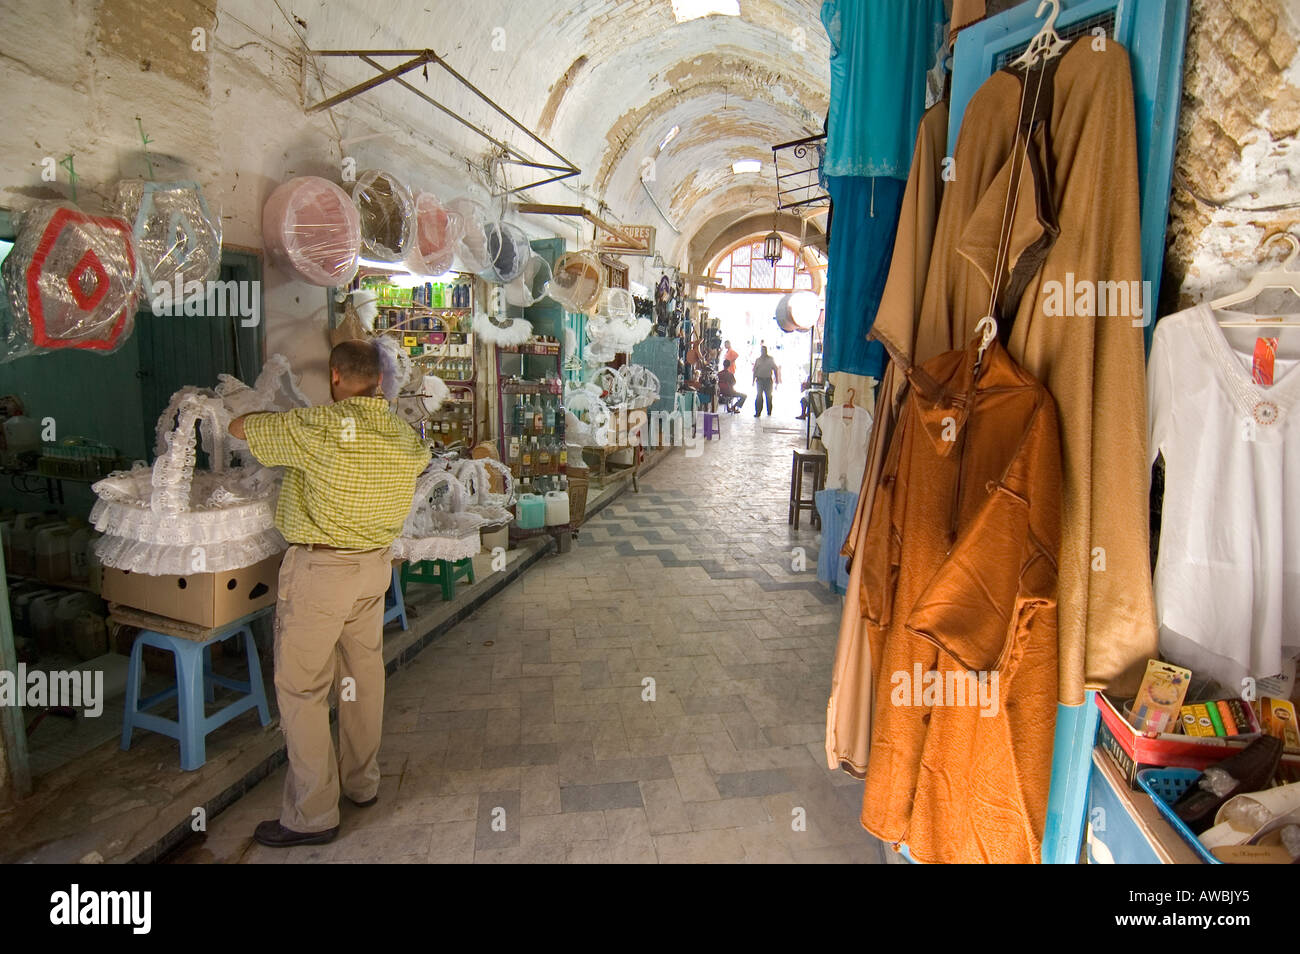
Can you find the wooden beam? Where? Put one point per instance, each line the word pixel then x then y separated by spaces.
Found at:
pixel 540 208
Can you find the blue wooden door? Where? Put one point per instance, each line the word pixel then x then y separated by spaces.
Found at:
pixel 1155 33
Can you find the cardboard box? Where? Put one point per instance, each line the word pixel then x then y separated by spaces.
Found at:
pixel 1132 751
pixel 205 599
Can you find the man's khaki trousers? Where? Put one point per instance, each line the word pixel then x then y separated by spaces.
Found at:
pixel 329 620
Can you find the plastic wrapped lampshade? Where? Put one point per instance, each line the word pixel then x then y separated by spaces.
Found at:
pixel 618 304
pixel 311 228
pixel 531 285
pixel 577 282
pixel 177 237
pixel 472 249
pixel 72 282
pixel 508 251
pixel 387 211
pixel 438 232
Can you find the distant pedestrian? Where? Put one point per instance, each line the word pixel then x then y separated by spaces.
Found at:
pixel 766 373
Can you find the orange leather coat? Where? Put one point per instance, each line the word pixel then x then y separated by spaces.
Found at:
pixel 959 574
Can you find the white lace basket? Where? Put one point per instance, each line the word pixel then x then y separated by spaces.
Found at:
pixel 169 519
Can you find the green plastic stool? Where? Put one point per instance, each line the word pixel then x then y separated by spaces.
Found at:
pixel 444 573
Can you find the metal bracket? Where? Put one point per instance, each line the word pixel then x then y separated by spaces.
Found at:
pixel 788 194
pixel 420 60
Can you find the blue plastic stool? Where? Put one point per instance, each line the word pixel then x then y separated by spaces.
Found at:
pixel 394 603
pixel 195 685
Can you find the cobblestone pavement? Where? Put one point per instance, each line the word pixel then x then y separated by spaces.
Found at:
pixel 527 734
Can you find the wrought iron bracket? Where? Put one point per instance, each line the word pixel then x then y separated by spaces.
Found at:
pixel 557 165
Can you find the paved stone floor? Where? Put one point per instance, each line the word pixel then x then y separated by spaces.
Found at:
pixel 531 733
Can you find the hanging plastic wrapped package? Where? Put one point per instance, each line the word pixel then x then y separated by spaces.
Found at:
pixel 508 251
pixel 177 237
pixel 438 232
pixel 387 211
pixel 311 228
pixel 578 281
pixel 472 250
pixel 72 281
pixel 532 284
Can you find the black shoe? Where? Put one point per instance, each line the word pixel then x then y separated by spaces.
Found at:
pixel 1251 769
pixel 274 835
pixel 366 804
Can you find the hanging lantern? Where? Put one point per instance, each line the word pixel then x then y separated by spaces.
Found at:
pixel 772 247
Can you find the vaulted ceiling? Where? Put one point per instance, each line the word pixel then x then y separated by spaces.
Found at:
pixel 604 82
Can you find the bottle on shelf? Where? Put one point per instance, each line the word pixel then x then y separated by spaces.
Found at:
pixel 513 456
pixel 548 416
pixel 537 413
pixel 519 414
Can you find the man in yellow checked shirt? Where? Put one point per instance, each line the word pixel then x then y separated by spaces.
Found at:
pixel 349 479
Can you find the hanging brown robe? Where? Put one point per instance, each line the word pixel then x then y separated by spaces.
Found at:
pixel 958 574
pixel 848 714
pixel 1076 220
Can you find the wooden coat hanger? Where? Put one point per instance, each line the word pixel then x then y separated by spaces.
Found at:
pixel 1287 276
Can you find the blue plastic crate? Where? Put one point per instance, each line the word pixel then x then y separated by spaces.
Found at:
pixel 1166 786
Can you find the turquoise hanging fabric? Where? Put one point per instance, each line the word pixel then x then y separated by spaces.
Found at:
pixel 864 220
pixel 880 52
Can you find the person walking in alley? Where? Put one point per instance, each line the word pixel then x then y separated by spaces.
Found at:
pixel 349 481
pixel 765 373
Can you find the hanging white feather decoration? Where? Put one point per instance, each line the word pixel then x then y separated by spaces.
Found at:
pixel 434 393
pixel 507 332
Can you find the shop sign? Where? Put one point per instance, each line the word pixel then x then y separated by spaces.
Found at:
pixel 644 234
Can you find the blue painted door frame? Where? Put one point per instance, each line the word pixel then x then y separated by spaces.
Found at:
pixel 1154 32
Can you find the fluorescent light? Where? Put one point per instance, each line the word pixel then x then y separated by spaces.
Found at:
pixel 746 165
pixel 685 10
pixel 410 279
pixel 669 138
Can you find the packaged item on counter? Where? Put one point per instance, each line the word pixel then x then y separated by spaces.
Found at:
pixel 1196 720
pixel 1160 697
pixel 1277 718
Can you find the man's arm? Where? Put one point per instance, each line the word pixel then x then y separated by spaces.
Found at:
pixel 280 439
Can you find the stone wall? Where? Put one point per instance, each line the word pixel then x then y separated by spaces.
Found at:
pixel 1236 147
